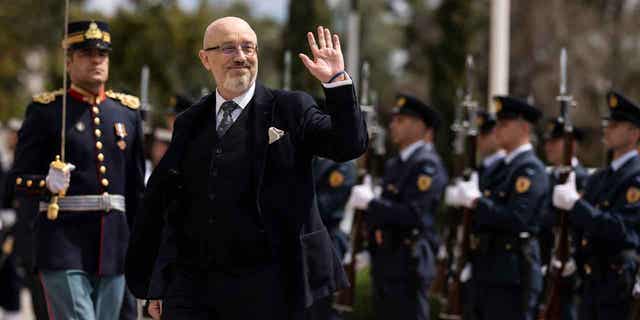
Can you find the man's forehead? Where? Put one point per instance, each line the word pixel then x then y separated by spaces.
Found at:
pixel 230 31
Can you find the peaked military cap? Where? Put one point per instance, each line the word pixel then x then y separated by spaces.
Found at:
pixel 622 108
pixel 179 103
pixel 508 107
pixel 486 121
pixel 555 129
pixel 412 106
pixel 88 34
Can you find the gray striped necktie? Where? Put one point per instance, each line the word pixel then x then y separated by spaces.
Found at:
pixel 227 120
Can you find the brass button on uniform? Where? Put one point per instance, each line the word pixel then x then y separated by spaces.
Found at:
pixel 103 169
pixel 29 183
pixel 100 157
pixel 105 182
pixel 18 181
pixel 99 145
pixel 96 121
pixel 98 133
pixel 95 110
pixel 42 184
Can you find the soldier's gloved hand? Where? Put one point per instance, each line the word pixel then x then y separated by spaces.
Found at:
pixel 452 196
pixel 469 191
pixel 362 194
pixel 58 179
pixel 565 195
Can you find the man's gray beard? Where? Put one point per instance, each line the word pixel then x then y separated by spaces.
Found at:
pixel 238 84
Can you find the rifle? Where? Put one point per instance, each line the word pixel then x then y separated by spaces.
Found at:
pixel 551 309
pixel 453 309
pixel 438 288
pixel 370 164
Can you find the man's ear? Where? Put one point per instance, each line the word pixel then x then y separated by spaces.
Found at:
pixel 204 59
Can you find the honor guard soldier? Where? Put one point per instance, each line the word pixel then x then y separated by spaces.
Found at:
pixel 80 251
pixel 506 218
pixel 401 220
pixel 605 218
pixel 554 152
pixel 333 182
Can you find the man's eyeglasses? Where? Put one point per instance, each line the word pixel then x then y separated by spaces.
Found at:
pixel 248 49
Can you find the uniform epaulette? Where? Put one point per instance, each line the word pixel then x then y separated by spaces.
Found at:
pixel 128 100
pixel 47 97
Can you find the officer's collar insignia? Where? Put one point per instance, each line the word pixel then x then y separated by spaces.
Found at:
pixel 80 126
pixel 86 96
pixel 523 184
pixel 336 179
pixel 47 97
pixel 424 182
pixel 633 195
pixel 121 133
pixel 93 32
pixel 130 101
pixel 401 102
pixel 613 101
pixel 498 105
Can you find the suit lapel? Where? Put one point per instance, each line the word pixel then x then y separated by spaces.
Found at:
pixel 264 105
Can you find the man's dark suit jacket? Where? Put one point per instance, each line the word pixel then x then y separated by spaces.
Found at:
pixel 285 194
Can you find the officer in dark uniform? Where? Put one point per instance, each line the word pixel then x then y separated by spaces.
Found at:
pixel 401 220
pixel 605 218
pixel 554 152
pixel 506 219
pixel 333 182
pixel 80 252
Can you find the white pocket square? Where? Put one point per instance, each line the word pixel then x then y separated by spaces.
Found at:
pixel 275 134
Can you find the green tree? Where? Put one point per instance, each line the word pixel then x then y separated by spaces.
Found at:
pixel 304 16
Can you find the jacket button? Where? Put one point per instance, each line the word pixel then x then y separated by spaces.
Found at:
pixel 212 196
pixel 100 157
pixel 95 110
pixel 98 133
pixel 29 183
pixel 42 184
pixel 105 182
pixel 18 181
pixel 99 145
pixel 96 121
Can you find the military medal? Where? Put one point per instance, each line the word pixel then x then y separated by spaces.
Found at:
pixel 633 195
pixel 121 133
pixel 523 184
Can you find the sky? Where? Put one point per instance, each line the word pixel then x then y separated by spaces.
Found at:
pixel 272 8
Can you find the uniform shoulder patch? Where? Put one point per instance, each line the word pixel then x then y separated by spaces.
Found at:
pixel 424 182
pixel 47 97
pixel 633 195
pixel 523 184
pixel 128 100
pixel 336 179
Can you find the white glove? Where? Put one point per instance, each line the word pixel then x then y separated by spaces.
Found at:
pixel 452 196
pixel 636 289
pixel 468 191
pixel 58 179
pixel 466 273
pixel 565 195
pixel 362 194
pixel 569 266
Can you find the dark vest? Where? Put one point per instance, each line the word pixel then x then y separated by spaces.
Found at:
pixel 221 227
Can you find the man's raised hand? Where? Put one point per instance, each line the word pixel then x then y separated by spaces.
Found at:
pixel 327 55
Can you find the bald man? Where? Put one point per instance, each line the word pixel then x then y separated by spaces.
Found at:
pixel 236 185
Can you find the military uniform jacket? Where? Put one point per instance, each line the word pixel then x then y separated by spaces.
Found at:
pixel 606 221
pixel 402 218
pixel 104 142
pixel 508 212
pixel 284 186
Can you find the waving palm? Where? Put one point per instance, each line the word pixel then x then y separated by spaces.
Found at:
pixel 327 55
